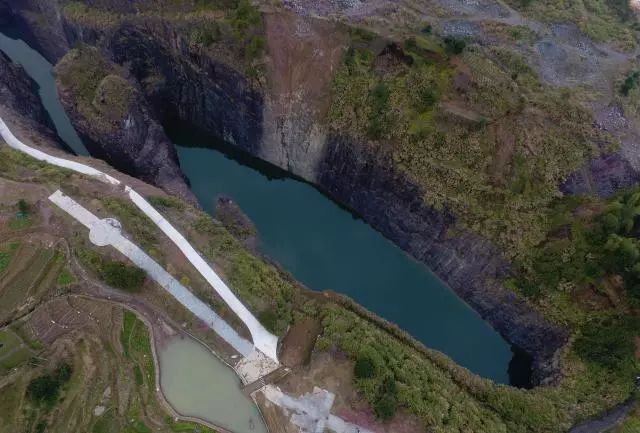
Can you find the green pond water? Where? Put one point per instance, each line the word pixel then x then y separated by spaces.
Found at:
pixel 198 384
pixel 320 243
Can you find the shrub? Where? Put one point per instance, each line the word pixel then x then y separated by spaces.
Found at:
pixel 386 404
pixel 379 101
pixel 269 320
pixel 46 389
pixel 365 368
pixel 122 276
pixel 608 343
pixel 630 83
pixel 23 208
pixel 454 45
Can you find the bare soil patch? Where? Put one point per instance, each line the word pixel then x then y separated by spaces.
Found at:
pixel 298 344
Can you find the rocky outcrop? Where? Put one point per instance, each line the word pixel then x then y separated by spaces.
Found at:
pixel 612 171
pixel 185 84
pixel 277 125
pixel 236 221
pixel 20 103
pixel 366 182
pixel 40 23
pixel 115 123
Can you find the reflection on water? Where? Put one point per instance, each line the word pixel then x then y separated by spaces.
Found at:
pixel 325 247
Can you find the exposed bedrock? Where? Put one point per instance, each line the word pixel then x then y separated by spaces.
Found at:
pixel 115 122
pixel 20 103
pixel 280 126
pixel 39 22
pixel 194 88
pixel 612 171
pixel 366 181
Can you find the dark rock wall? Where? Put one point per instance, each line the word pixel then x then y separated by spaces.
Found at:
pixel 19 96
pixel 365 181
pixel 40 23
pixel 192 87
pixel 135 144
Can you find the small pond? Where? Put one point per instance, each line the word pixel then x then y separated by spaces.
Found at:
pixel 198 384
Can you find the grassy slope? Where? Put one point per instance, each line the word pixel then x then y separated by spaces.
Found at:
pixel 603 20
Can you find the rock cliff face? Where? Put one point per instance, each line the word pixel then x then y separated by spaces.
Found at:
pixel 612 171
pixel 367 182
pixel 20 101
pixel 183 84
pixel 277 125
pixel 116 124
pixel 40 23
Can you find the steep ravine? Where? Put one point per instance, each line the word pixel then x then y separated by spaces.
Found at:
pixel 198 89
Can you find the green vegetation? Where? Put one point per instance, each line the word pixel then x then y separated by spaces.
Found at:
pixel 454 45
pixel 587 273
pixel 386 403
pixel 115 273
pixel 163 202
pixel 630 83
pixel 6 255
pixel 32 270
pixel 602 20
pixel 101 93
pixel 364 367
pixel 23 208
pixel 12 351
pixel 123 276
pixel 22 218
pixel 136 345
pixel 13 163
pixel 45 390
pixel 233 28
pixel 456 141
pixel 260 285
pixel 631 424
pixel 65 278
pixel 129 321
pixel 133 220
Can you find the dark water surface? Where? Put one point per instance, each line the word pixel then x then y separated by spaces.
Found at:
pixel 326 247
pixel 319 242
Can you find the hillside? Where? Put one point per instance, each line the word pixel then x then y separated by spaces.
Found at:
pixel 494 142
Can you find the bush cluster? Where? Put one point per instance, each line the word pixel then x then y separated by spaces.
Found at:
pixel 45 389
pixel 123 276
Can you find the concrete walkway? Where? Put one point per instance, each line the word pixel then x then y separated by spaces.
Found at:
pixel 107 232
pixel 311 412
pixel 263 340
pixel 13 142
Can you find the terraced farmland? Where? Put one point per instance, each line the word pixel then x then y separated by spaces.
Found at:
pixel 13 351
pixel 31 271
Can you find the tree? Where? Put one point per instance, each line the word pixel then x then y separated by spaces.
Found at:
pixel 387 403
pixel 23 208
pixel 454 45
pixel 122 276
pixel 46 389
pixel 365 367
